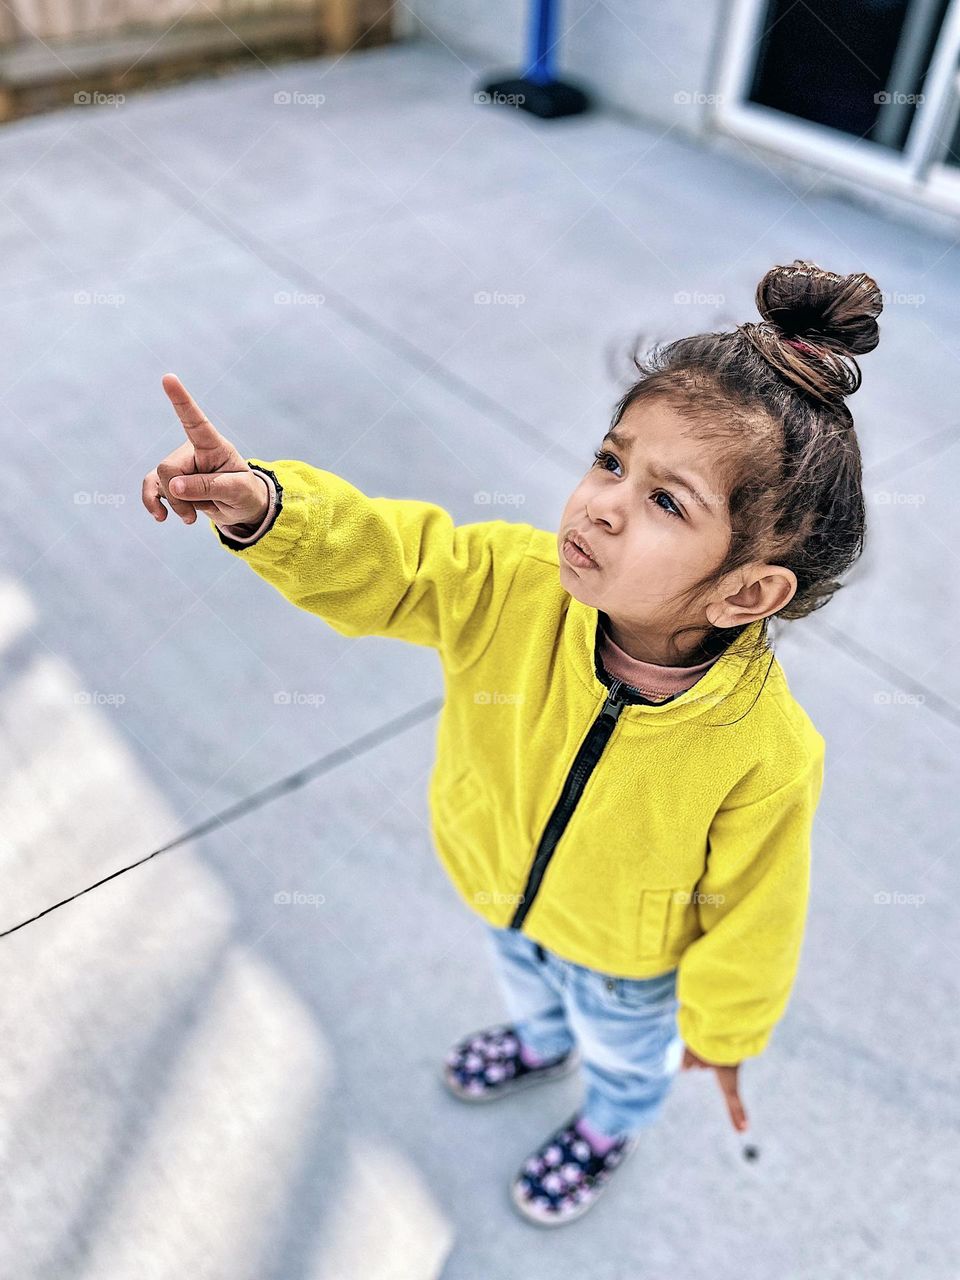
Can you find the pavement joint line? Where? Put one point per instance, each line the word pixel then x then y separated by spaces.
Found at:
pixel 873 662
pixel 292 782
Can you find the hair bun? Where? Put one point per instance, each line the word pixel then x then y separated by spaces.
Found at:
pixel 838 312
pixel 816 322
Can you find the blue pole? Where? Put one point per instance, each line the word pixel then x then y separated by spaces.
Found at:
pixel 541 41
pixel 536 89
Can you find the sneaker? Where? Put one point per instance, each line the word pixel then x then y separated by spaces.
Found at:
pixel 565 1176
pixel 487 1065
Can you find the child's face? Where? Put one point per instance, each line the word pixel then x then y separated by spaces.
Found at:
pixel 650 537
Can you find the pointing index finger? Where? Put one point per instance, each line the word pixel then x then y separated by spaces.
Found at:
pixel 201 432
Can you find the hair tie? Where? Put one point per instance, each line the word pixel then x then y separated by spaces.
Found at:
pixel 844 372
pixel 801 346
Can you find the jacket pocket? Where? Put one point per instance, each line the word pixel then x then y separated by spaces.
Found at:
pixel 654 914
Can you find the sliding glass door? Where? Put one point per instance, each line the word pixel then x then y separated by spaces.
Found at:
pixel 868 88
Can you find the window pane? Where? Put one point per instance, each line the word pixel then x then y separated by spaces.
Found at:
pixel 857 66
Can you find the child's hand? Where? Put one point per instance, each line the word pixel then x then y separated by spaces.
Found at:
pixel 219 484
pixel 727 1078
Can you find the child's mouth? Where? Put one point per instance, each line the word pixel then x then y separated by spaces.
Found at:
pixel 576 557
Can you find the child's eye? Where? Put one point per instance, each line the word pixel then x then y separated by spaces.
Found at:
pixel 602 457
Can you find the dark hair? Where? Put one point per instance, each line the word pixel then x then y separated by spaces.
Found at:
pixel 771 395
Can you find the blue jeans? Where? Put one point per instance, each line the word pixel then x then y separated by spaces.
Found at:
pixel 626 1028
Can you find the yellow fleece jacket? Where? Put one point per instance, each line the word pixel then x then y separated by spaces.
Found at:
pixel 624 837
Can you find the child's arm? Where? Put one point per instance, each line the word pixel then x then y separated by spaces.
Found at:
pixel 382 566
pixel 735 980
pixel 367 566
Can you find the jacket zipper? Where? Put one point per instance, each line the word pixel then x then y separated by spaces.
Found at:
pixel 584 763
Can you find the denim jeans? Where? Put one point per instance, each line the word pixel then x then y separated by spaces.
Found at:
pixel 626 1028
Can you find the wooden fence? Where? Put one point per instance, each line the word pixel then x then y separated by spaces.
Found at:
pixel 48 46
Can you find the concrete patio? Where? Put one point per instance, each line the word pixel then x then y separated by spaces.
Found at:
pixel 200 1081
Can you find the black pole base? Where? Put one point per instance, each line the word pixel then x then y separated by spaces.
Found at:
pixel 548 101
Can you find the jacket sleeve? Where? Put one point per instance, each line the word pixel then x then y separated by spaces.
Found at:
pixel 735 979
pixel 374 566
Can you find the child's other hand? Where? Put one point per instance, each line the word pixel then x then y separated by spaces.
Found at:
pixel 219 484
pixel 727 1079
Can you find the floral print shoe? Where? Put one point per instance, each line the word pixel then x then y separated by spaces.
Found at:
pixel 564 1177
pixel 487 1064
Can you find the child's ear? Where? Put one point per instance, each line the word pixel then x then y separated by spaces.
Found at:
pixel 764 589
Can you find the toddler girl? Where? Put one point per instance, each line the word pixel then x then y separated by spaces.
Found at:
pixel 624 785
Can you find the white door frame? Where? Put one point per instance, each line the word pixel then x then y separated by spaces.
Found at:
pixel 917 172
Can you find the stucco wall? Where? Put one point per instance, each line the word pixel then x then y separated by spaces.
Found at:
pixel 635 54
